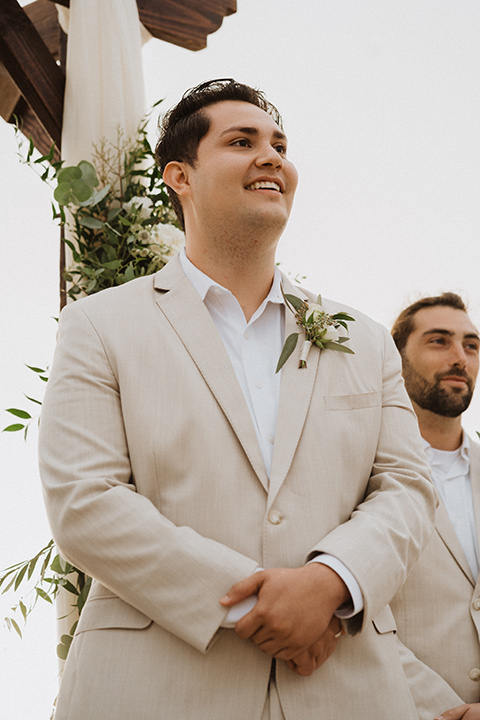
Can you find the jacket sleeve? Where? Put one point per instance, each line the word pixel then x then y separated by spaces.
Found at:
pixel 100 523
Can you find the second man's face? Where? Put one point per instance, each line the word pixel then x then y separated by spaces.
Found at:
pixel 441 360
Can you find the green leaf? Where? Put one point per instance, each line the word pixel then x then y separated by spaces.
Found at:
pixel 89 174
pixel 23 609
pixel 64 646
pixel 341 348
pixel 15 626
pixel 31 148
pixel 20 577
pixel 83 597
pixel 80 190
pixel 343 316
pixel 58 565
pixel 113 213
pixel 295 301
pixel 288 348
pixel 33 400
pixel 31 566
pixel 113 265
pixel 43 595
pixel 68 174
pixel 91 222
pixel 35 369
pixel 13 428
pixel 19 413
pixel 69 587
pixel 99 195
pixel 63 194
pixel 129 272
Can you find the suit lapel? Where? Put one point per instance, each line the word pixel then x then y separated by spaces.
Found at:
pixel 447 532
pixel 475 479
pixel 296 390
pixel 190 319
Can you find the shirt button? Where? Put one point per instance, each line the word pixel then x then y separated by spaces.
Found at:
pixel 275 518
pixel 476 604
pixel 246 334
pixel 271 440
pixel 474 674
pixel 259 384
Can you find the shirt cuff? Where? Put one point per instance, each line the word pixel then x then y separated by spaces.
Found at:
pixel 236 612
pixel 355 605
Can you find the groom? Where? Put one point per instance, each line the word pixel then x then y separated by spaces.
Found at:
pixel 230 515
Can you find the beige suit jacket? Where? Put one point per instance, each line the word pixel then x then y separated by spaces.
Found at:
pixel 438 617
pixel 155 486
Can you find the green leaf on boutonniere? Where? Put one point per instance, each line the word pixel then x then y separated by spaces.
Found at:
pixel 288 348
pixel 337 346
pixel 294 301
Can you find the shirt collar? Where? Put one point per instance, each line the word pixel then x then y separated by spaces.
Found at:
pixel 464 448
pixel 202 283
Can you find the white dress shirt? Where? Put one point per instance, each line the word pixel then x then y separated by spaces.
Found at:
pixel 451 477
pixel 254 348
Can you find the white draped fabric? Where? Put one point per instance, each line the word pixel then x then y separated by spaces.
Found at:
pixel 104 91
pixel 104 74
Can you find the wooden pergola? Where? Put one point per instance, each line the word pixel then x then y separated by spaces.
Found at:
pixel 33 51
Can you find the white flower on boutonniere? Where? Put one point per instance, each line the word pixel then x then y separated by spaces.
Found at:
pixel 320 328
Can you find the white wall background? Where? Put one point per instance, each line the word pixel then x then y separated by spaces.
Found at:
pixel 381 104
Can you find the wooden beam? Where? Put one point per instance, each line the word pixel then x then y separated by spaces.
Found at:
pixel 186 23
pixel 33 69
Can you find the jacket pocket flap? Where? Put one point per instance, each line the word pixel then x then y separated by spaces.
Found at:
pixel 111 612
pixel 353 402
pixel 384 622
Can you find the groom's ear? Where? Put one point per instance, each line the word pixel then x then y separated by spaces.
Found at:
pixel 175 175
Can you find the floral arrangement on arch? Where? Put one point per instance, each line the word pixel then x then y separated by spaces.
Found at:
pixel 117 217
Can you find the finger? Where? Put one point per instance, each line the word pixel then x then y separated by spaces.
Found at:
pixel 454 714
pixel 243 589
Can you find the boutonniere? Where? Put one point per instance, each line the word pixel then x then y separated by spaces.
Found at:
pixel 320 329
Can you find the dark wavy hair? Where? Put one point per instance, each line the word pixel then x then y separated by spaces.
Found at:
pixel 182 127
pixel 405 322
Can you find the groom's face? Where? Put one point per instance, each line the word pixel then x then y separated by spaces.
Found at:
pixel 242 175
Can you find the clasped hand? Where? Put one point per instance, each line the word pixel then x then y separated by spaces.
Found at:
pixel 293 619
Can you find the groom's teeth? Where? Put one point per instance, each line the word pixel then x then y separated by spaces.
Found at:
pixel 265 184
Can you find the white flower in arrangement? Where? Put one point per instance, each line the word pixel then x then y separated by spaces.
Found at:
pixel 143 236
pixel 145 205
pixel 330 334
pixel 314 312
pixel 166 241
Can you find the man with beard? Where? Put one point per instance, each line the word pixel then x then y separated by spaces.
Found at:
pixel 438 608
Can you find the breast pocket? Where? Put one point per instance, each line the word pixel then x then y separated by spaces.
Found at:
pixel 359 401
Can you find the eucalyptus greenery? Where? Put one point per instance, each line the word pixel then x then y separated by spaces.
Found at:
pixel 119 224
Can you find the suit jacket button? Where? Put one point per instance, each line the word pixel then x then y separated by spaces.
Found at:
pixel 275 517
pixel 476 604
pixel 474 674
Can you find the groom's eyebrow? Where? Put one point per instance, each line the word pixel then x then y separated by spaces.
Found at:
pixel 277 134
pixel 438 331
